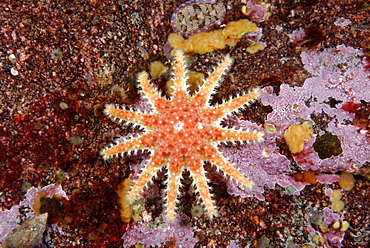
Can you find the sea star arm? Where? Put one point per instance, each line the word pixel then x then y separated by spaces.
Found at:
pixel 149 91
pixel 143 142
pixel 155 163
pixel 173 184
pixel 222 134
pixel 179 87
pixel 202 96
pixel 234 104
pixel 198 173
pixel 126 115
pixel 217 159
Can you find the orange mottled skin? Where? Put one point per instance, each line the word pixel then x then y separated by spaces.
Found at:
pixel 182 133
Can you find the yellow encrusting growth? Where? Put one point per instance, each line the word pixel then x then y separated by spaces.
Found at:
pixel 156 69
pixel 125 207
pixel 206 42
pixel 345 225
pixel 255 47
pixel 336 203
pixel 346 181
pixel 296 135
pixel 182 133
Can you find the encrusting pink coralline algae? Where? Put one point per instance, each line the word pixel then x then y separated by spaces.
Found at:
pixel 338 74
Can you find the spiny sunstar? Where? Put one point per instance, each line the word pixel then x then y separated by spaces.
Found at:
pixel 182 133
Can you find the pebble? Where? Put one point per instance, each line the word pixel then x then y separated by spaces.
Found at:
pixel 27 235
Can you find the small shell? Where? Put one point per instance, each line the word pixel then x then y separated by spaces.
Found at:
pixel 195 16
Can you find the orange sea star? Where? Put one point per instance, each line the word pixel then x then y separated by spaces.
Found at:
pixel 182 133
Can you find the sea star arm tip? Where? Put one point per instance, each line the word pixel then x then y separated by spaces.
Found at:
pixel 222 164
pixel 135 117
pixel 154 165
pixel 209 85
pixel 222 135
pixel 201 183
pixel 134 144
pixel 235 103
pixel 173 185
pixel 148 91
